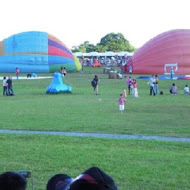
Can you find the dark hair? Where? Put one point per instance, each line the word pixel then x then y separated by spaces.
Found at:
pixel 173 84
pixel 4 77
pixel 12 181
pixel 96 76
pixel 60 179
pixel 85 185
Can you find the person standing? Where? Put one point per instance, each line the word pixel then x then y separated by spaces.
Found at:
pixel 17 72
pixel 121 102
pixel 151 83
pixel 171 73
pixel 129 83
pixel 10 86
pixel 4 86
pixel 156 85
pixel 64 71
pixel 95 84
pixel 134 89
pixel 130 69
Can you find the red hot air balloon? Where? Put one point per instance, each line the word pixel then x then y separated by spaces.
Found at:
pixel 167 50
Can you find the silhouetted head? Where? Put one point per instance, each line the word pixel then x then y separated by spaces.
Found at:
pixel 12 181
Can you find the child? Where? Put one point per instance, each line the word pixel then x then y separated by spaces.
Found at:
pixel 64 71
pixel 4 86
pixel 121 102
pixel 186 89
pixel 124 93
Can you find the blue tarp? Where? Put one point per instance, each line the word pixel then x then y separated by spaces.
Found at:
pixel 160 77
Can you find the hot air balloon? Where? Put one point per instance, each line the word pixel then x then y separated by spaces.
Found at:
pixel 35 52
pixel 167 50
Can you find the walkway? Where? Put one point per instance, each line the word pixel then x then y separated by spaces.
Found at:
pixel 98 135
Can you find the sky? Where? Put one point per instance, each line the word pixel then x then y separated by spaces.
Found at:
pixel 76 21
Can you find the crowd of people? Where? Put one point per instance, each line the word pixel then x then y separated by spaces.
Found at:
pixel 132 89
pixel 115 61
pixel 154 90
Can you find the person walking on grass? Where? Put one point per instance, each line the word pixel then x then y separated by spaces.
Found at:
pixel 121 102
pixel 95 84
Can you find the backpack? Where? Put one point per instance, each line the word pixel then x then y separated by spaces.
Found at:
pixel 93 82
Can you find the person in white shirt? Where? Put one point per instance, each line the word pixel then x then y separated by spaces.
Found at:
pixel 4 86
pixel 152 83
pixel 186 89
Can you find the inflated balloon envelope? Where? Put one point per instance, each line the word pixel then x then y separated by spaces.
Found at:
pixel 167 50
pixel 57 85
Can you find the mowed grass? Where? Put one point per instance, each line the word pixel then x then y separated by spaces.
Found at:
pixel 81 111
pixel 133 164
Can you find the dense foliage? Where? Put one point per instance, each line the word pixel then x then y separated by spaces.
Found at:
pixel 110 42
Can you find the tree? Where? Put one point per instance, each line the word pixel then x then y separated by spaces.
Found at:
pixel 85 47
pixel 110 42
pixel 116 42
pixel 100 48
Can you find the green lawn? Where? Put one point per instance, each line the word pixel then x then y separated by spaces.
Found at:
pixel 134 164
pixel 82 111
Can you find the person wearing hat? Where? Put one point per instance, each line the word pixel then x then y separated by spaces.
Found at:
pixel 92 179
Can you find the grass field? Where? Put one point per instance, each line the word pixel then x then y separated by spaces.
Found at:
pixel 134 164
pixel 82 111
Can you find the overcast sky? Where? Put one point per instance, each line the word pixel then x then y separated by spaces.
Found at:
pixel 76 21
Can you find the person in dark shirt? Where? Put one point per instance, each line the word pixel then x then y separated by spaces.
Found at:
pixel 10 86
pixel 95 85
